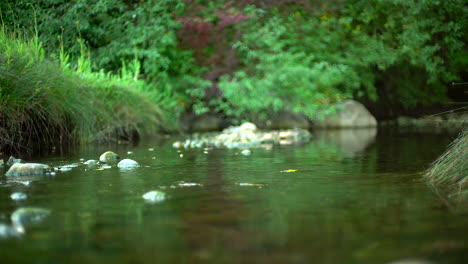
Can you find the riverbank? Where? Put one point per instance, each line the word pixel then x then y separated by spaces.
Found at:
pixel 449 173
pixel 48 103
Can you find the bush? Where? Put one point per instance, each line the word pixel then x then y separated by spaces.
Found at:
pixel 44 103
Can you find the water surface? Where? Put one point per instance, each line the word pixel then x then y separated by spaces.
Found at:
pixel 351 197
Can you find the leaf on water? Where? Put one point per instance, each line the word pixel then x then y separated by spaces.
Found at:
pixel 289 171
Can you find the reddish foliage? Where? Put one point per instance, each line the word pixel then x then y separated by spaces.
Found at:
pixel 211 40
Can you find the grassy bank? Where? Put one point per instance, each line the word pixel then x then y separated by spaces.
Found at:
pixel 45 103
pixel 450 171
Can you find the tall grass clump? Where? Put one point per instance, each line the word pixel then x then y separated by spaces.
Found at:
pixel 46 103
pixel 450 170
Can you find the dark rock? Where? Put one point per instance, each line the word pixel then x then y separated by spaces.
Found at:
pixel 206 123
pixel 287 120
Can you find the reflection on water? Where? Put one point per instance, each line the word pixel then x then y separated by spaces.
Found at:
pixel 346 197
pixel 350 141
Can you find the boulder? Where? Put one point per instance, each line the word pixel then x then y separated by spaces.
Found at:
pixel 128 163
pixel 108 156
pixel 350 114
pixel 28 169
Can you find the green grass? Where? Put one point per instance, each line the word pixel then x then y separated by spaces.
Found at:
pixel 450 170
pixel 45 103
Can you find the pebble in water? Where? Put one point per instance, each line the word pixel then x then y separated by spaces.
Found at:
pixel 63 169
pixel 246 152
pixel 177 144
pixel 28 215
pixel 128 163
pixel 18 196
pixel 154 196
pixel 189 184
pixel 7 231
pixel 91 162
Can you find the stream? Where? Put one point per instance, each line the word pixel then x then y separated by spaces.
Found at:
pixel 353 196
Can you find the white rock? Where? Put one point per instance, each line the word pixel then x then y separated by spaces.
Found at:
pixel 128 163
pixel 108 156
pixel 246 152
pixel 91 162
pixel 154 196
pixel 18 196
pixel 247 126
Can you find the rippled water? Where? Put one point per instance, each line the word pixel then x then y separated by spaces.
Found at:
pixel 342 198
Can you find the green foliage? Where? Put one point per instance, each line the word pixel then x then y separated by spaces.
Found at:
pixel 277 75
pixel 43 104
pixel 304 60
pixel 292 57
pixel 116 33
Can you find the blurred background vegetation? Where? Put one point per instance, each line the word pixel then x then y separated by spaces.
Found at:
pixel 251 57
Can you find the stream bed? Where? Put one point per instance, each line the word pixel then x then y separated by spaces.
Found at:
pixel 351 196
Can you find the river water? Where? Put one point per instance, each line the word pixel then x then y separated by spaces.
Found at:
pixel 344 197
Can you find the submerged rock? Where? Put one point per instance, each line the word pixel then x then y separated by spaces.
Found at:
pixel 18 196
pixel 28 169
pixel 177 144
pixel 8 231
pixel 29 215
pixel 66 168
pixel 108 156
pixel 154 196
pixel 12 160
pixel 128 163
pixel 91 162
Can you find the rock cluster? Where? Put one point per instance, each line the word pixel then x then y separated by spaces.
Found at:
pixel 245 136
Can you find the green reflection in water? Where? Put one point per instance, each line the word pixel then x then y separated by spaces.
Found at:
pixel 352 197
